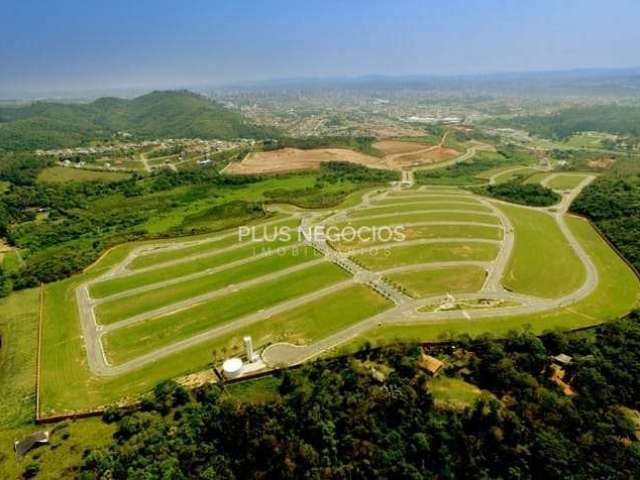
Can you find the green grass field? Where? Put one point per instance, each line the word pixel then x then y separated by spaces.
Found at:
pixel 438 252
pixel 143 337
pixel 430 231
pixel 508 176
pixel 586 140
pixel 617 294
pixel 18 328
pixel 566 181
pixel 315 320
pixel 120 284
pixel 64 367
pixel 458 198
pixel 214 242
pixel 67 174
pixel 418 207
pixel 537 177
pixel 11 261
pixel 423 283
pixel 453 393
pixel 538 237
pixel 401 219
pixel 126 307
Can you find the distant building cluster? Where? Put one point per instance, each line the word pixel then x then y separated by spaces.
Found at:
pixel 191 144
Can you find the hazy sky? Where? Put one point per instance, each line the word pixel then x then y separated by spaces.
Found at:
pixel 95 44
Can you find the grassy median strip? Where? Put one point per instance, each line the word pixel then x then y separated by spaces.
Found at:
pixel 437 252
pixel 126 307
pixel 130 342
pixel 419 207
pixel 428 232
pixel 403 218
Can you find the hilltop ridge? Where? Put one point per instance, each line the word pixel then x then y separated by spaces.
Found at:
pixel 158 114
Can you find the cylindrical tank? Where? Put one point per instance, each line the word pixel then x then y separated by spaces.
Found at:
pixel 248 348
pixel 232 367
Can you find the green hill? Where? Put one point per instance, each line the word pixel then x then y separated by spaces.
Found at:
pixel 176 114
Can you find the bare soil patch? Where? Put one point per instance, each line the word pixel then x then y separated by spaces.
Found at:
pixel 427 156
pixel 601 163
pixel 291 159
pixel 391 147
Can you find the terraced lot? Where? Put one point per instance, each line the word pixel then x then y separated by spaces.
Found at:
pixel 160 309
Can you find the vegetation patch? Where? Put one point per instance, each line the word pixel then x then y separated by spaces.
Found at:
pixel 422 283
pixel 537 236
pixel 437 252
pixel 129 342
pixel 531 194
pixel 67 174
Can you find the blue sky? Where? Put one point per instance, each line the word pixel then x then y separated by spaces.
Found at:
pixel 91 44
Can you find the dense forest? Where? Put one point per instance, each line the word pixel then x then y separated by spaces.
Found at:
pixel 374 415
pixel 616 119
pixel 170 114
pixel 359 144
pixel 516 191
pixel 612 202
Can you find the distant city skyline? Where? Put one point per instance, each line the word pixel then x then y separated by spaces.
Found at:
pixel 70 45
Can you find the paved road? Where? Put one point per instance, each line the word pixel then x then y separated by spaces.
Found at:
pixel 407 313
pixel 404 311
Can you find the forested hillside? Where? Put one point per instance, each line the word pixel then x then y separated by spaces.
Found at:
pixel 623 120
pixel 613 203
pixel 375 416
pixel 174 114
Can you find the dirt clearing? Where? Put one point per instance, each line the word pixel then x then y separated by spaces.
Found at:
pixel 291 159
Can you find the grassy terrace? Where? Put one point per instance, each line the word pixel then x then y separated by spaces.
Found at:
pixel 566 181
pixel 537 236
pixel 438 252
pixel 430 196
pixel 130 342
pixel 216 242
pixel 616 295
pixel 120 284
pixel 404 218
pixel 460 199
pixel 508 176
pixel 314 320
pixel 537 177
pixel 126 307
pixel 422 283
pixel 419 207
pixel 432 231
